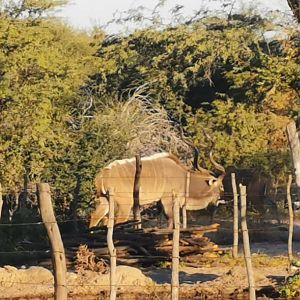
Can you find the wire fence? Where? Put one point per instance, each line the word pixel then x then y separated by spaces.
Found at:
pixel 70 287
pixel 85 220
pixel 148 209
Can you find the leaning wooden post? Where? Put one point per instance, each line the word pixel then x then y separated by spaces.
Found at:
pixel 175 249
pixel 1 200
pixel 235 247
pixel 291 222
pixel 111 247
pixel 187 188
pixel 246 243
pixel 136 192
pixel 295 149
pixel 58 252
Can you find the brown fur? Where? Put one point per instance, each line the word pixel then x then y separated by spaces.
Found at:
pixel 162 174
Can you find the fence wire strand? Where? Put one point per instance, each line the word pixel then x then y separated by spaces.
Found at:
pixel 91 246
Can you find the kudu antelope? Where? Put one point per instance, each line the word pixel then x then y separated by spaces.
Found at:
pixel 162 174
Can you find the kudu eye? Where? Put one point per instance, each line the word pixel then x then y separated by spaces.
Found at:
pixel 211 181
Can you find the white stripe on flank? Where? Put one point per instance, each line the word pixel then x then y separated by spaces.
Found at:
pixel 130 160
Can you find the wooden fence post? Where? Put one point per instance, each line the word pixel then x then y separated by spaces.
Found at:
pixel 24 198
pixel 75 202
pixel 111 247
pixel 175 249
pixel 187 188
pixel 58 252
pixel 291 221
pixel 235 247
pixel 246 243
pixel 295 148
pixel 136 192
pixel 1 201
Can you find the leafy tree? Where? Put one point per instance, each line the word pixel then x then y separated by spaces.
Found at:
pixel 43 64
pixel 244 137
pixel 69 104
pixel 214 67
pixel 194 63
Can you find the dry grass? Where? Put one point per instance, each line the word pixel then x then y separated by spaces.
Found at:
pixel 258 261
pixel 144 124
pixel 86 260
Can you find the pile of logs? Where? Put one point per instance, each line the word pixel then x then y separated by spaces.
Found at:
pixel 144 246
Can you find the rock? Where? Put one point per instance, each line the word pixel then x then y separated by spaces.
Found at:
pixel 10 268
pixel 132 276
pixel 39 274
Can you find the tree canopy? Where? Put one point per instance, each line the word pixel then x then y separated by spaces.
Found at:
pixel 71 102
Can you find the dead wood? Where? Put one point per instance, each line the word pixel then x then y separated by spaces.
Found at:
pixel 194 230
pixel 142 247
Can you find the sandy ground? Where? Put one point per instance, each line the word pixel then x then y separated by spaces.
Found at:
pixel 217 275
pixel 216 271
pixel 38 281
pixel 214 275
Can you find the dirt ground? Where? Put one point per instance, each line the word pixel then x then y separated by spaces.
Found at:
pixel 38 282
pixel 217 276
pixel 214 277
pixel 225 276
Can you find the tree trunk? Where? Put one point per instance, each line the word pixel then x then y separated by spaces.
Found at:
pixel 136 192
pixel 295 149
pixel 291 221
pixel 75 202
pixel 24 197
pixel 1 201
pixel 235 248
pixel 295 7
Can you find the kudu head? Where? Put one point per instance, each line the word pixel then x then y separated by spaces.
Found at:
pixel 216 180
pixel 100 211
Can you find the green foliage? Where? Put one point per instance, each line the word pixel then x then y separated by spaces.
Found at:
pixel 42 66
pixel 291 288
pixel 194 63
pixel 69 104
pixel 31 9
pixel 244 137
pixel 217 74
pixel 12 237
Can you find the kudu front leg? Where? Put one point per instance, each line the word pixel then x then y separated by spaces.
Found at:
pixel 100 211
pixel 123 214
pixel 170 222
pixel 168 211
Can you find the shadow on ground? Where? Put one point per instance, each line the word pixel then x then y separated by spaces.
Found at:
pixel 278 280
pixel 162 276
